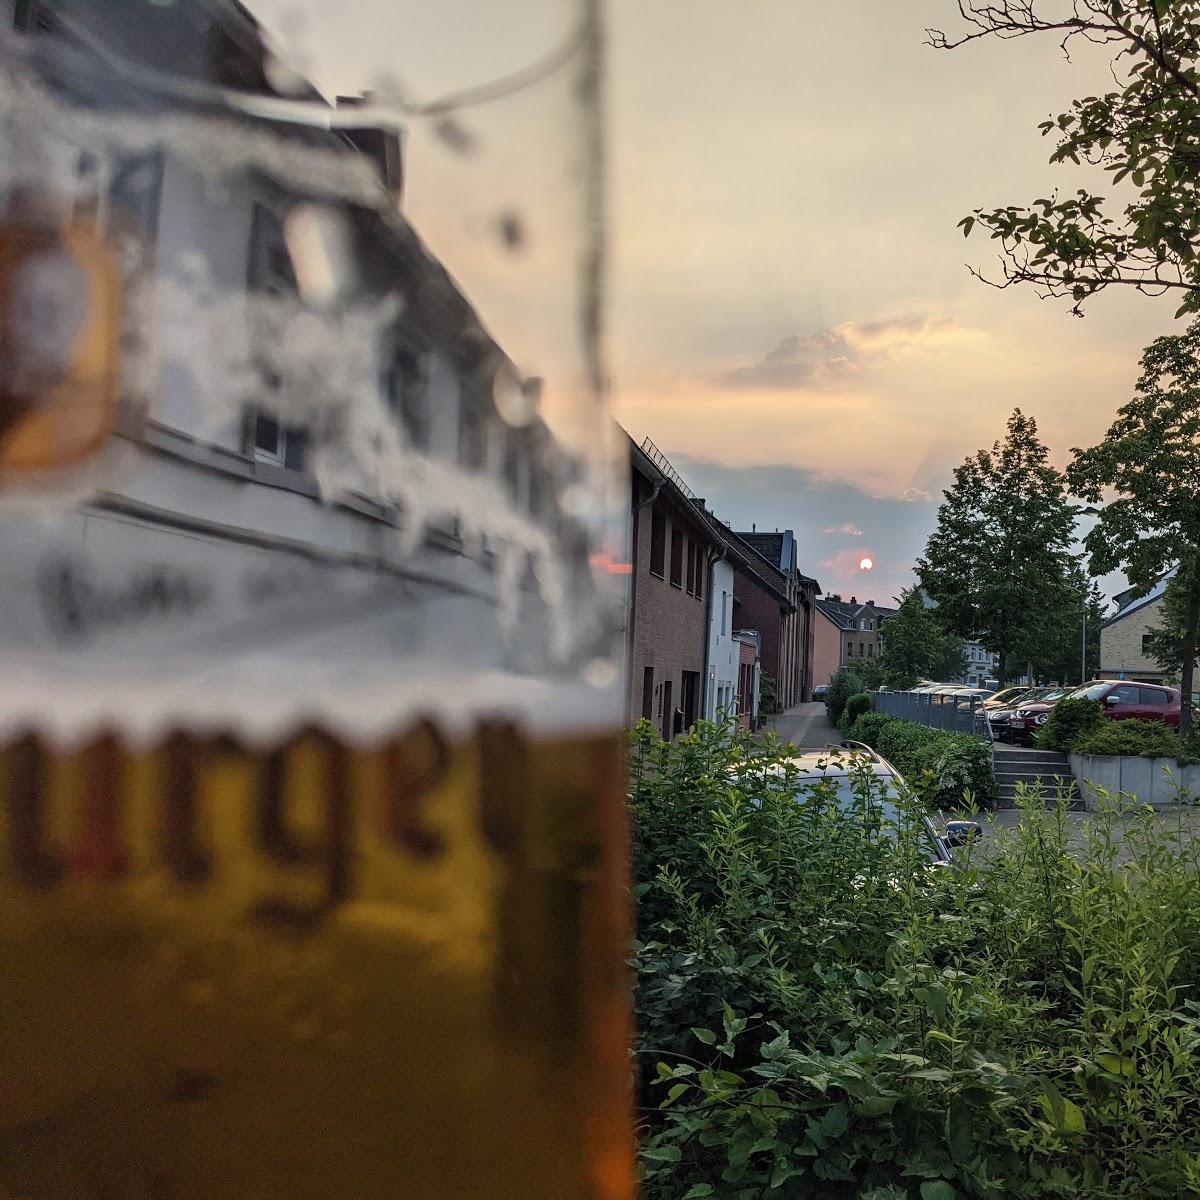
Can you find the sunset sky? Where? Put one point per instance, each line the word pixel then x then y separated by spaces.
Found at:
pixel 792 321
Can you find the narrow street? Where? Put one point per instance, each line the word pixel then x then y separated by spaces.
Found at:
pixel 806 726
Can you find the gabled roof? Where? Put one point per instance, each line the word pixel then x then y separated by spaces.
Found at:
pixel 845 614
pixel 1134 603
pixel 779 549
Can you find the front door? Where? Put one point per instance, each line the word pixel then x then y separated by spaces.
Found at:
pixel 668 711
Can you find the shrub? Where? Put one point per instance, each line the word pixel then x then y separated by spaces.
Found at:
pixel 1141 739
pixel 768 696
pixel 1069 720
pixel 868 726
pixel 820 1016
pixel 955 762
pixel 845 683
pixel 858 704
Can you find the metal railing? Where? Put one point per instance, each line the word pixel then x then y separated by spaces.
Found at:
pixel 663 463
pixel 954 714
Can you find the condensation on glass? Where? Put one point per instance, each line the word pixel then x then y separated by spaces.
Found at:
pixel 312 808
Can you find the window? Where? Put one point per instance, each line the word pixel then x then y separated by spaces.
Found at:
pixel 1147 639
pixel 870 649
pixel 676 556
pixel 270 273
pixel 700 574
pixel 648 693
pixel 691 567
pixel 472 434
pixel 404 387
pixel 1154 696
pixel 724 614
pixel 658 544
pixel 1126 694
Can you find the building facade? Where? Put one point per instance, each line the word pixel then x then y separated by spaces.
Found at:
pixel 1125 636
pixel 848 631
pixel 672 547
pixel 218 514
pixel 749 680
pixel 787 648
pixel 724 651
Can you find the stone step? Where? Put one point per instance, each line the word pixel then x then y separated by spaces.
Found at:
pixel 1015 775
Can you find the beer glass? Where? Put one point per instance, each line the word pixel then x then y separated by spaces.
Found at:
pixel 312 877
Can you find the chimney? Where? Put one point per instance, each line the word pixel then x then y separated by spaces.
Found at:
pixel 853 599
pixel 753 527
pixel 870 603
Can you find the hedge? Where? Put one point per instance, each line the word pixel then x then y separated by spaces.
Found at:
pixel 958 762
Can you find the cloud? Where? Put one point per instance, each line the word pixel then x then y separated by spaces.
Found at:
pixel 915 495
pixel 832 355
pixel 847 530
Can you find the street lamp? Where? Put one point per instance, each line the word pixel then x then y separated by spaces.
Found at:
pixel 1090 511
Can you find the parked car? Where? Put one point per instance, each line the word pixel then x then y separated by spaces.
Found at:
pixel 820 691
pixel 1123 699
pixel 1020 723
pixel 838 763
pixel 1007 697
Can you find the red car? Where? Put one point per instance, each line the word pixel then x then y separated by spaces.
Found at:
pixel 1121 698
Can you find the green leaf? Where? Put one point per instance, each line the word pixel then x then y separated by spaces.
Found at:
pixel 674 1095
pixel 667 1153
pixel 937 1189
pixel 876 1106
pixel 1117 1064
pixel 836 1121
pixel 1064 1115
pixel 706 1036
pixel 698 1191
pixel 960 1134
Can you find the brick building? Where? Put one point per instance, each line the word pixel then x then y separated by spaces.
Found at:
pixel 672 543
pixel 698 593
pixel 788 635
pixel 846 631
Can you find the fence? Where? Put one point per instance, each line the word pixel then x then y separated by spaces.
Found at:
pixel 951 713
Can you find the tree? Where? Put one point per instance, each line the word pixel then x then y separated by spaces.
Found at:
pixel 915 645
pixel 1167 641
pixel 1065 661
pixel 1142 133
pixel 999 563
pixel 1150 457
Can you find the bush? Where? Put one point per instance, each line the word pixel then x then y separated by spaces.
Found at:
pixel 1069 721
pixel 1137 739
pixel 818 1015
pixel 768 696
pixel 846 682
pixel 955 763
pixel 858 704
pixel 868 726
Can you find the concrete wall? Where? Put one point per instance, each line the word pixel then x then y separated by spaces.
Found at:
pixel 721 689
pixel 1155 781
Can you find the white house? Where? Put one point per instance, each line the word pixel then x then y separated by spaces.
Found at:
pixel 723 648
pixel 271 386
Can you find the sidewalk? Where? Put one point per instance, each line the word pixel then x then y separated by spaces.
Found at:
pixel 805 726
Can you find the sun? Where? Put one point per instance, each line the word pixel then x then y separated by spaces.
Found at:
pixel 866 564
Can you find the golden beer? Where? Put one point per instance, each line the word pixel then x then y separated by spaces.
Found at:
pixel 312 846
pixel 316 971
